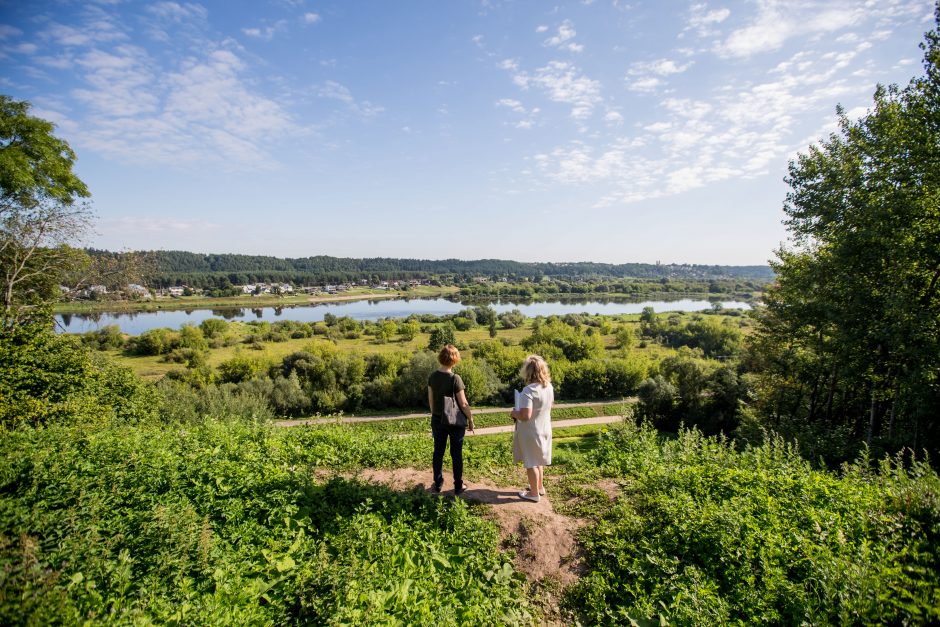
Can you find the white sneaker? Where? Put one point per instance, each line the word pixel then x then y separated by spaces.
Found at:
pixel 525 494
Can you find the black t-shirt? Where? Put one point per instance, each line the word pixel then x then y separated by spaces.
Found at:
pixel 443 384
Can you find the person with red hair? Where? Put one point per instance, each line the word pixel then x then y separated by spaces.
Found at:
pixel 444 382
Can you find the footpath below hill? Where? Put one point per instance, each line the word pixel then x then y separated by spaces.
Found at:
pixel 556 424
pixel 482 431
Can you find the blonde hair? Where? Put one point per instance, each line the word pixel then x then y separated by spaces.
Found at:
pixel 449 356
pixel 534 369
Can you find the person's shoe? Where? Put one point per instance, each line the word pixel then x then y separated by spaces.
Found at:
pixel 541 492
pixel 435 488
pixel 458 491
pixel 528 496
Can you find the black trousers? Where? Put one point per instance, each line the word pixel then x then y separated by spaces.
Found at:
pixel 441 433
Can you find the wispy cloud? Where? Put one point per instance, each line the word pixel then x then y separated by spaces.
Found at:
pixel 167 21
pixel 336 91
pixel 133 224
pixel 177 12
pixel 525 119
pixel 311 18
pixel 134 105
pixel 733 133
pixel 646 84
pixel 7 31
pixel 561 82
pixel 776 22
pixel 649 76
pixel 563 38
pixel 703 21
pixel 661 67
pixel 267 32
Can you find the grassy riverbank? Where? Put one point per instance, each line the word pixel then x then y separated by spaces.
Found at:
pixel 166 303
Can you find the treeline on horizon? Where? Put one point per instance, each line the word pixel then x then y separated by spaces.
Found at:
pixel 166 268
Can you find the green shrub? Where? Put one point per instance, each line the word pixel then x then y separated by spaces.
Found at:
pixel 46 378
pixel 441 336
pixel 707 535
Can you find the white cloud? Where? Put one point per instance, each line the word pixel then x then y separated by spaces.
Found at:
pixel 170 21
pixel 645 85
pixel 337 91
pixel 135 106
pixel 541 28
pixel 311 18
pixel 7 31
pixel 529 117
pixel 662 67
pixel 562 39
pixel 777 21
pixel 177 12
pixel 23 48
pixel 73 37
pixel 119 82
pixel 735 131
pixel 644 76
pixel 266 33
pixel 134 224
pixel 703 21
pixel 561 82
pixel 61 62
pixel 514 105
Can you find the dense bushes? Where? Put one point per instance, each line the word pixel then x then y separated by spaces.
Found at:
pixel 48 378
pixel 606 378
pixel 705 535
pixel 556 340
pixel 693 391
pixel 715 338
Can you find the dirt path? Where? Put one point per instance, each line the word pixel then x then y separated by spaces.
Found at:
pixel 556 424
pixel 488 410
pixel 546 549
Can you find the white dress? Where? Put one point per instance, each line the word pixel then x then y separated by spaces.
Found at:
pixel 532 439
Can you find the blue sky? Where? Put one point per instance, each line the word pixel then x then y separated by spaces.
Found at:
pixel 595 130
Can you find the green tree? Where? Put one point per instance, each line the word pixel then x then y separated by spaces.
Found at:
pixel 441 336
pixel 850 335
pixel 386 330
pixel 657 400
pixel 41 212
pixel 624 337
pixel 512 319
pixel 409 329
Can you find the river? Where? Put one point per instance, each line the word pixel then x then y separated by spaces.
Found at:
pixel 136 323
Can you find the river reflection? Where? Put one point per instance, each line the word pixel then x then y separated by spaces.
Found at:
pixel 137 322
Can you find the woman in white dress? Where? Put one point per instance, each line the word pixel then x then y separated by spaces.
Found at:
pixel 532 439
